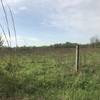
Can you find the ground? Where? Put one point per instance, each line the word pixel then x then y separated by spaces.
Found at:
pixel 49 74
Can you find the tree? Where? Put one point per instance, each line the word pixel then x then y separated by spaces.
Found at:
pixel 95 41
pixel 1 41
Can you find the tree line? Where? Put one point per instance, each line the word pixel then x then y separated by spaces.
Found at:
pixel 94 42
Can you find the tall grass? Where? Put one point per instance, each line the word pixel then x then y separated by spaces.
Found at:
pixel 48 74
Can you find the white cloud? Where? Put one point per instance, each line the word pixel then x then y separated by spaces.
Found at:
pixel 28 41
pixel 14 2
pixel 23 40
pixel 23 8
pixel 80 15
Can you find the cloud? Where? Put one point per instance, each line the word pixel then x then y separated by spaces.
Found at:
pixel 14 2
pixel 79 15
pixel 23 8
pixel 69 16
pixel 23 40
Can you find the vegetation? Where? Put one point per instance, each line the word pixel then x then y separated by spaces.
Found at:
pixel 48 74
pixel 65 45
pixel 1 41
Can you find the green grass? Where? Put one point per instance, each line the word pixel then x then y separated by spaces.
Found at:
pixel 48 74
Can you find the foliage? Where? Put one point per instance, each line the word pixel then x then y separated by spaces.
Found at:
pixel 48 74
pixel 95 41
pixel 65 45
pixel 1 42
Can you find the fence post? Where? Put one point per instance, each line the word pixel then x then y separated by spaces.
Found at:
pixel 77 59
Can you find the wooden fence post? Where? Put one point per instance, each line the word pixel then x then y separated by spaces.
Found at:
pixel 77 59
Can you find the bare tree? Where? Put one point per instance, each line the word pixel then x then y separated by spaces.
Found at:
pixel 95 41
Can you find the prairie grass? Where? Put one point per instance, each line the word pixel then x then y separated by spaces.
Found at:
pixel 48 74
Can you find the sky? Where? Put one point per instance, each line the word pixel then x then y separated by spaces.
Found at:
pixel 45 22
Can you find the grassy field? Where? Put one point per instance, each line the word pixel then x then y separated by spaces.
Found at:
pixel 49 74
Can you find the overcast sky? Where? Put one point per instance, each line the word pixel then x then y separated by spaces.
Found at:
pixel 44 22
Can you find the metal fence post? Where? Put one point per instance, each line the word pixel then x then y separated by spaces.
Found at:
pixel 77 59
